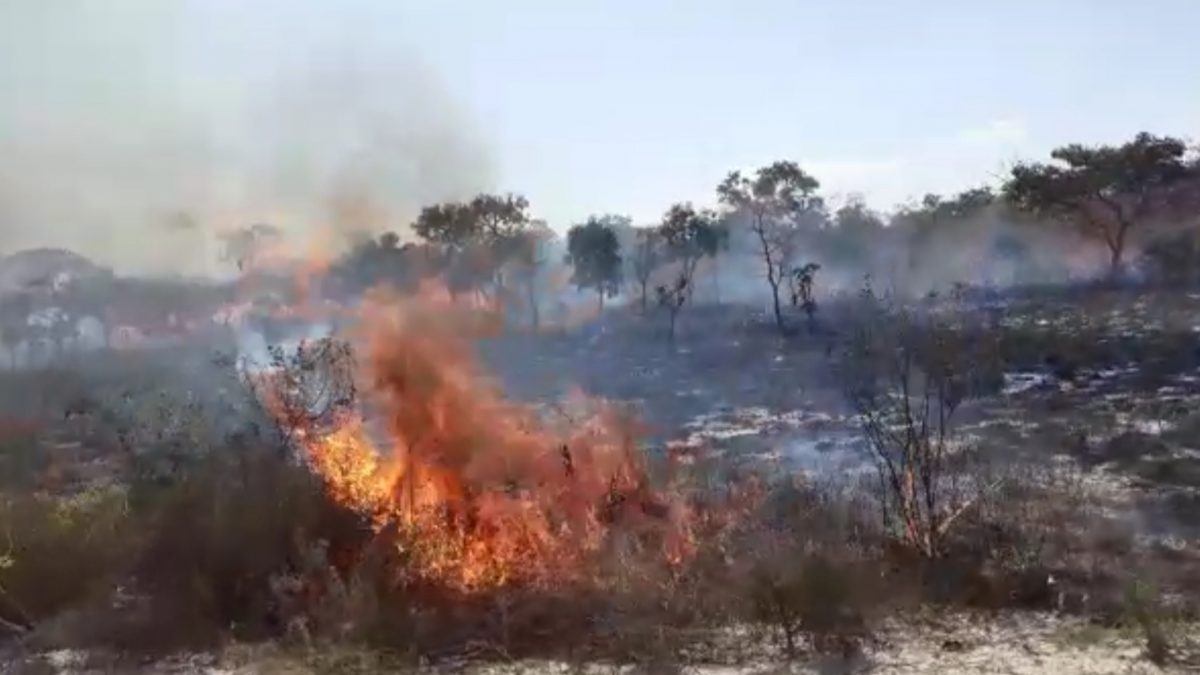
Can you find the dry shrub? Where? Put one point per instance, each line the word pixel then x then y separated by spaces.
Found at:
pixel 58 552
pixel 21 462
pixel 220 541
pixel 907 372
pixel 809 568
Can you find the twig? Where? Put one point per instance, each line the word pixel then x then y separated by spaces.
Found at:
pixel 963 509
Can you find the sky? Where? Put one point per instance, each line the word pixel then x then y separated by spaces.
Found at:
pixel 123 112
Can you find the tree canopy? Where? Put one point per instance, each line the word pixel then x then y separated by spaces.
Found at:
pixel 1104 190
pixel 594 255
pixel 777 201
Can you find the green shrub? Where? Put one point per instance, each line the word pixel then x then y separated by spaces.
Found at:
pixel 58 552
pixel 218 540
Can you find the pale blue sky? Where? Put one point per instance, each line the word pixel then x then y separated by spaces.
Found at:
pixel 628 105
pixel 584 106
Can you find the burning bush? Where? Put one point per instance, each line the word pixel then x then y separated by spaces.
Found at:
pixel 480 492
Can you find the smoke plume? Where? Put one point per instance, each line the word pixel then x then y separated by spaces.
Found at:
pixel 136 132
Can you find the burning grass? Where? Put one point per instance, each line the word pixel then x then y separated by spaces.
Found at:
pixel 481 492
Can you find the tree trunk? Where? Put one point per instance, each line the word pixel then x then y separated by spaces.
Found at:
pixel 644 283
pixel 534 316
pixel 775 302
pixel 600 295
pixel 716 276
pixel 1116 249
pixel 768 258
pixel 671 329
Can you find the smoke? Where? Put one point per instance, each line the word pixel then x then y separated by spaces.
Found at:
pixel 136 132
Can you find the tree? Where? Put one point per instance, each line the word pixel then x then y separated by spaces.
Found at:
pixel 1104 191
pixel 1175 258
pixel 529 263
pixel 646 259
pixel 687 236
pixel 14 323
pixel 938 219
pixel 594 254
pixel 801 282
pixel 855 228
pixel 451 225
pixel 374 262
pixel 61 327
pixel 94 298
pixel 906 373
pixel 478 237
pixel 777 201
pixel 721 232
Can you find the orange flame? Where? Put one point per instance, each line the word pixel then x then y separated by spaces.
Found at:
pixel 482 491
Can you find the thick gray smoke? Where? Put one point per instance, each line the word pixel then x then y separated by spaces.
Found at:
pixel 134 132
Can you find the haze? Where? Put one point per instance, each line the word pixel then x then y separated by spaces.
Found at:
pixel 134 130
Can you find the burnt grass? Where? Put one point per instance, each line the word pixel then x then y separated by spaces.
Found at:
pixel 1103 381
pixel 1090 415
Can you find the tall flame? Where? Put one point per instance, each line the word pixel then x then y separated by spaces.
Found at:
pixel 482 491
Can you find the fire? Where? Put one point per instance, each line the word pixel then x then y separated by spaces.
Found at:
pixel 481 491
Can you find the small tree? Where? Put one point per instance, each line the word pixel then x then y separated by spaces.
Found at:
pixel 777 201
pixel 687 235
pixel 529 262
pixel 647 258
pixel 801 282
pixel 594 254
pixel 906 374
pixel 855 228
pixel 478 237
pixel 1104 191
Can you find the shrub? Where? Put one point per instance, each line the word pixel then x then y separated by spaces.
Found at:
pixel 222 541
pixel 58 552
pixel 906 373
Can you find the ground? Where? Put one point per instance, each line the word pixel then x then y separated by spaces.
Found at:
pixel 949 644
pixel 1097 404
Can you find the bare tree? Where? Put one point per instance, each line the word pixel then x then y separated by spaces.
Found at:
pixel 687 235
pixel 646 259
pixel 906 374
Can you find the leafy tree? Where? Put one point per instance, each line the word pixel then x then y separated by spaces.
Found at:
pixel 389 241
pixel 373 262
pixel 646 259
pixel 777 201
pixel 721 231
pixel 937 219
pixel 687 236
pixel 594 254
pixel 855 228
pixel 478 237
pixel 1105 191
pixel 929 217
pixel 451 225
